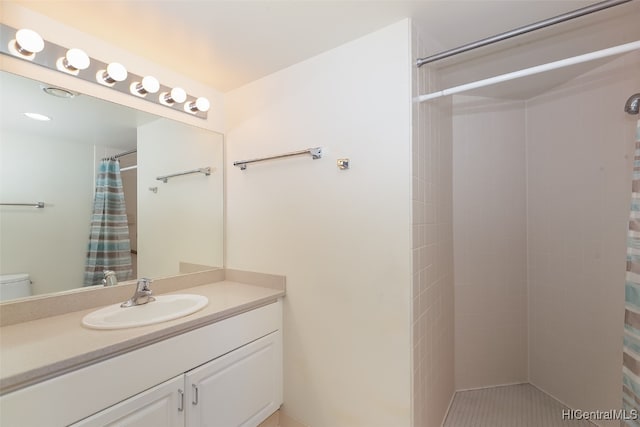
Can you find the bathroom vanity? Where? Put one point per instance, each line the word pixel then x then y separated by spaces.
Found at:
pixel 221 366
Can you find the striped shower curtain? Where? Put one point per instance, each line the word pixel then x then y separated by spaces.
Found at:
pixel 109 245
pixel 631 354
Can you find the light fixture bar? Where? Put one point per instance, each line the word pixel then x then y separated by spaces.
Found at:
pixel 49 57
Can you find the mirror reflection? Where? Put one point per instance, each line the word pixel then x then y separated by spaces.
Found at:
pixel 95 166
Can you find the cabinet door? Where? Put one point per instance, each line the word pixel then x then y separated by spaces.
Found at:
pixel 160 406
pixel 241 388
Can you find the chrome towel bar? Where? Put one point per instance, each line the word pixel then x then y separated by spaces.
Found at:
pixel 316 153
pixel 206 171
pixel 39 205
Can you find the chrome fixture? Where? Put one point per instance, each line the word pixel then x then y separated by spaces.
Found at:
pixel 521 30
pixel 206 171
pixel 114 73
pixel 117 156
pixel 28 45
pixel 142 295
pixel 58 92
pixel 343 164
pixel 200 104
pixel 316 153
pixel 176 94
pixel 39 205
pixel 149 84
pixel 632 106
pixel 74 61
pixel 110 278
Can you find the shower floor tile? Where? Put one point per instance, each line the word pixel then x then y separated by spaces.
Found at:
pixel 520 405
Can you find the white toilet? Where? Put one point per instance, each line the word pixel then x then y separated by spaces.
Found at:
pixel 14 286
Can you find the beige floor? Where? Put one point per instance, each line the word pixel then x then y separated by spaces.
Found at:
pixel 272 421
pixel 520 405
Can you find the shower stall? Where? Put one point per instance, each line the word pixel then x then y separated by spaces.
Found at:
pixel 542 189
pixel 542 170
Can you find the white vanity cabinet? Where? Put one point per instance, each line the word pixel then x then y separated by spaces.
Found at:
pixel 156 407
pixel 241 388
pixel 223 374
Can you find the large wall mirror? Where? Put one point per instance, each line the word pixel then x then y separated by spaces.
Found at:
pixel 173 227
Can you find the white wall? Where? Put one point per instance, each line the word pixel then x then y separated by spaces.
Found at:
pixel 579 160
pixel 432 320
pixel 130 188
pixel 32 240
pixel 341 237
pixel 490 242
pixel 183 220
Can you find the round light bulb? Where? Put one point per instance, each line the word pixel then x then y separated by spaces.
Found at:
pixel 28 42
pixel 74 61
pixel 178 95
pixel 77 59
pixel 200 104
pixel 150 84
pixel 116 72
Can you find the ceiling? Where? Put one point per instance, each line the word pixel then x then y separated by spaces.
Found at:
pixel 227 44
pixel 82 119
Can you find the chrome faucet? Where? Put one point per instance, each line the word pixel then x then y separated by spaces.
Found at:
pixel 110 278
pixel 142 295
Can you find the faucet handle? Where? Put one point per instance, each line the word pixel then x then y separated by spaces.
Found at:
pixel 110 278
pixel 144 283
pixel 142 295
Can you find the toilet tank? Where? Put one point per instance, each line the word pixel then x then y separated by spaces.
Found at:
pixel 14 286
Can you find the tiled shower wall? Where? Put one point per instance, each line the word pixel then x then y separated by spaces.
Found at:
pixel 542 193
pixel 579 159
pixel 432 249
pixel 490 242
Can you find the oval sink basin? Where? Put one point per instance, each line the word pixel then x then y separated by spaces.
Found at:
pixel 164 308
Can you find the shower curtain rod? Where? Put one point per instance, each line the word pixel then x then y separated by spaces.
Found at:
pixel 120 154
pixel 521 30
pixel 616 50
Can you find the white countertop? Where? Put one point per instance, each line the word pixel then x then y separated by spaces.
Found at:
pixel 37 350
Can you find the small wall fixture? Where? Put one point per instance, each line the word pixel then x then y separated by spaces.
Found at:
pixel 343 164
pixel 200 104
pixel 149 85
pixel 176 95
pixel 26 44
pixel 73 62
pixel 58 92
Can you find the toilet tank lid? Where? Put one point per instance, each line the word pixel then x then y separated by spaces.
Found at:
pixel 12 278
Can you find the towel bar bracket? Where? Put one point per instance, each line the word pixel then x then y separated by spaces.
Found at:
pixel 316 153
